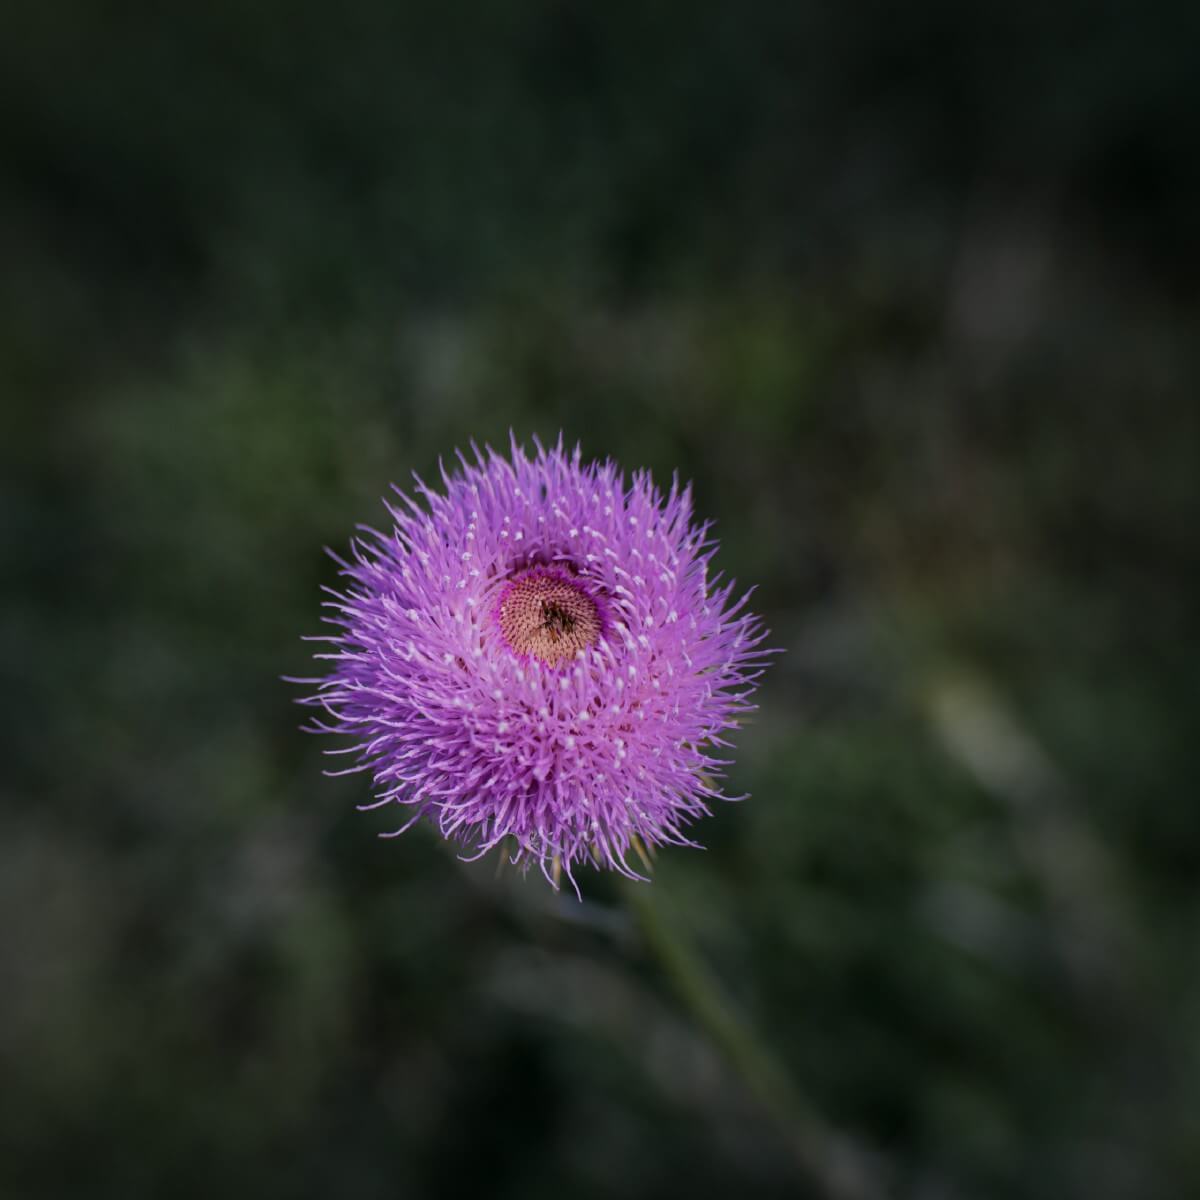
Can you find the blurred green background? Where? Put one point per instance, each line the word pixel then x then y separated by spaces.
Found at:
pixel 910 293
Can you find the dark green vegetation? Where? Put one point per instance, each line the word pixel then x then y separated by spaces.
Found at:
pixel 909 292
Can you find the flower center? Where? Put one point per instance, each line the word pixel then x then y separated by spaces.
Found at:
pixel 544 613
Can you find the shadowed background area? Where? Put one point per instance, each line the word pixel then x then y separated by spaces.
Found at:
pixel 909 293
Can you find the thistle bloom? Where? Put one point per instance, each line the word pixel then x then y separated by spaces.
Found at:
pixel 539 659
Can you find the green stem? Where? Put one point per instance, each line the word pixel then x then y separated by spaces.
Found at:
pixel 836 1168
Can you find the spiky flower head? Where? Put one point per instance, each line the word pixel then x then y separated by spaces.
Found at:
pixel 539 659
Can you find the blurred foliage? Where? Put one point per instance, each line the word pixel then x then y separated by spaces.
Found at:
pixel 909 294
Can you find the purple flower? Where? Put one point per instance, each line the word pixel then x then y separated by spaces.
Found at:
pixel 539 659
